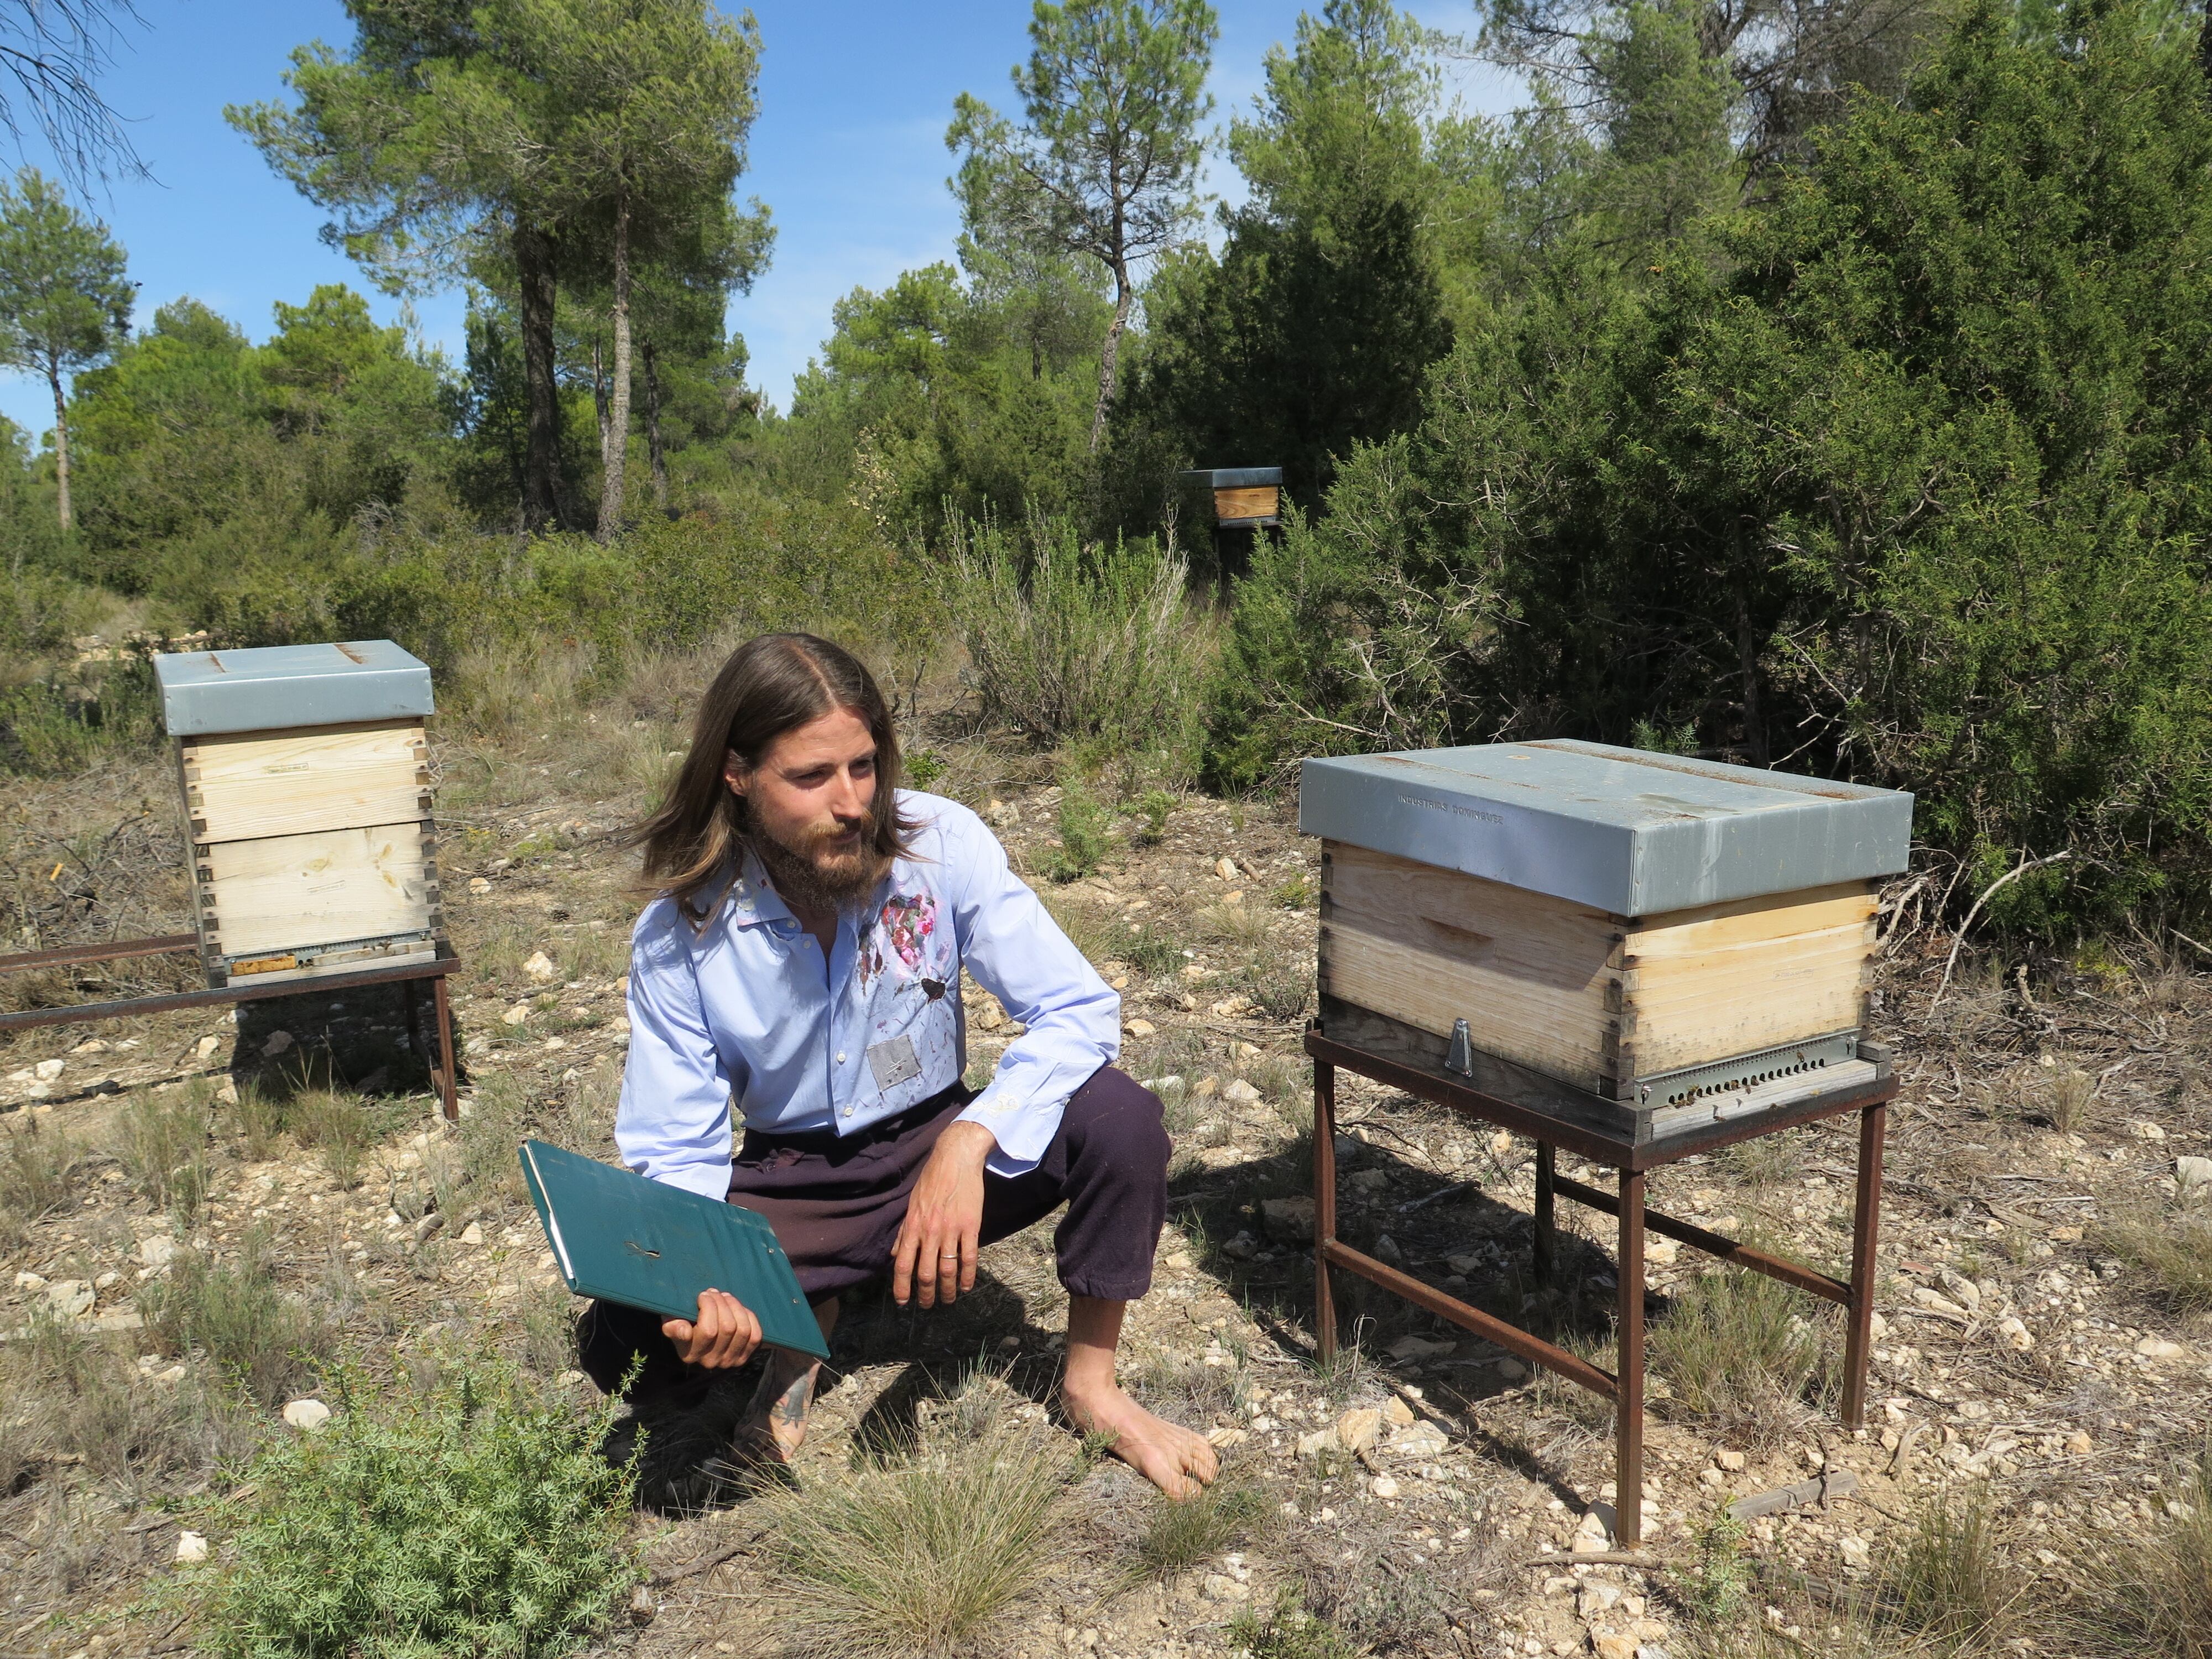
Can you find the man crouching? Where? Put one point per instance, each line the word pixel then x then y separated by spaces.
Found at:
pixel 802 963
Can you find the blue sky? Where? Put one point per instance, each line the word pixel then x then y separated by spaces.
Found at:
pixel 848 153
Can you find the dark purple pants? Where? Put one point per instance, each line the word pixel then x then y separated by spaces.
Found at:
pixel 836 1205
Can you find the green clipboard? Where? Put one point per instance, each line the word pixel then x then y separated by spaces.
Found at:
pixel 620 1237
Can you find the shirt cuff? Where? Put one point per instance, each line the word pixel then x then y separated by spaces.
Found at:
pixel 1023 1133
pixel 707 1180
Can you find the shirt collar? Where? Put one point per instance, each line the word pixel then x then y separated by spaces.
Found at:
pixel 753 901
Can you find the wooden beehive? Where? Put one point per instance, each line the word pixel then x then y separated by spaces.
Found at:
pixel 1244 497
pixel 305 777
pixel 1669 935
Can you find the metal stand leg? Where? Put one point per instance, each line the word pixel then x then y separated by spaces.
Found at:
pixel 1544 1236
pixel 1324 1154
pixel 445 1075
pixel 1628 1405
pixel 1866 1226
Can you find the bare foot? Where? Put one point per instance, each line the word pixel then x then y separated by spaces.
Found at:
pixel 1172 1458
pixel 774 1426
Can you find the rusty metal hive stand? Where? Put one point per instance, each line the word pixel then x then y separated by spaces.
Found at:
pixel 1637 958
pixel 303 780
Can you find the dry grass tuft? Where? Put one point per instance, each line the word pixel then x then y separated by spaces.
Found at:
pixel 163 1143
pixel 916 1556
pixel 2159 1600
pixel 1743 1353
pixel 2174 1249
pixel 268 1343
pixel 1176 1535
pixel 1945 1580
pixel 35 1176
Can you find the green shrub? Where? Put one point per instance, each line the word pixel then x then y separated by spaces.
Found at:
pixel 266 1342
pixel 481 1520
pixel 1154 807
pixel 1072 641
pixel 1085 838
pixel 1179 1533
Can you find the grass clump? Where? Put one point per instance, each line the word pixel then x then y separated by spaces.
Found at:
pixel 480 1519
pixel 164 1148
pixel 915 1555
pixel 1742 1353
pixel 1944 1579
pixel 1153 808
pixel 2174 1250
pixel 2158 1598
pixel 1176 1535
pixel 266 1342
pixel 339 1127
pixel 35 1176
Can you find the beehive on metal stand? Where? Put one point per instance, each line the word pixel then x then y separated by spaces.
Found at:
pixel 304 778
pixel 1675 941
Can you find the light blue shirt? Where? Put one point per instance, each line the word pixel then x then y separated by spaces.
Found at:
pixel 746 1010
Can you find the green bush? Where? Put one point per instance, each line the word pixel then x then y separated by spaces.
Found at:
pixel 1085 836
pixel 1072 641
pixel 266 1342
pixel 481 1520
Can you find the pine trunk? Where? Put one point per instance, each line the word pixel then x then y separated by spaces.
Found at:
pixel 652 449
pixel 614 454
pixel 1122 297
pixel 541 465
pixel 61 448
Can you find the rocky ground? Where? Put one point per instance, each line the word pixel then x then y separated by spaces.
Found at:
pixel 1426 1496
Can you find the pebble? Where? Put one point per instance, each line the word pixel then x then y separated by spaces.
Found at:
pixel 191 1547
pixel 1731 1461
pixel 2015 1334
pixel 1141 1028
pixel 479 887
pixel 1359 1429
pixel 1321 1440
pixel 1242 1093
pixel 1661 1252
pixel 307 1415
pixel 30 1281
pixel 472 1234
pixel 2190 1173
pixel 276 1044
pixel 157 1250
pixel 1421 1440
pixel 1383 1486
pixel 1226 868
pixel 539 967
pixel 516 1014
pixel 2143 1129
pixel 2157 1347
pixel 1386 1249
pixel 2078 1444
pixel 1288 1220
pixel 1220 1586
pixel 70 1297
pixel 47 1070
pixel 207 1046
pixel 1397 1414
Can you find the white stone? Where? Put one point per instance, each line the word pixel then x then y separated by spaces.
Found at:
pixel 1421 1440
pixel 30 1281
pixel 2151 1347
pixel 207 1046
pixel 1855 1551
pixel 1226 868
pixel 516 1014
pixel 107 1281
pixel 479 887
pixel 1140 1028
pixel 157 1251
pixel 1358 1428
pixel 2192 1173
pixel 2015 1335
pixel 307 1415
pixel 1220 1586
pixel 1321 1440
pixel 228 1093
pixel 1383 1486
pixel 90 1046
pixel 1661 1252
pixel 70 1297
pixel 1242 1093
pixel 2143 1129
pixel 191 1548
pixel 472 1234
pixel 539 967
pixel 48 1070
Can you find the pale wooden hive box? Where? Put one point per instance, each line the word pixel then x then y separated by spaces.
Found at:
pixel 1676 940
pixel 304 775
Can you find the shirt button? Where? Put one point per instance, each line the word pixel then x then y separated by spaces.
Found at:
pixel 840 1056
pixel 849 1111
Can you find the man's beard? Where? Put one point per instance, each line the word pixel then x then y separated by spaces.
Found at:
pixel 811 877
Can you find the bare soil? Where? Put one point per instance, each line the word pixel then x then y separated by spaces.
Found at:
pixel 2015 1349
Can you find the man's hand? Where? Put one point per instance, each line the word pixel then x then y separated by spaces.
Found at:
pixel 722 1338
pixel 936 1246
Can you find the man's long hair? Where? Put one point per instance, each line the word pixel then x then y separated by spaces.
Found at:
pixel 696 843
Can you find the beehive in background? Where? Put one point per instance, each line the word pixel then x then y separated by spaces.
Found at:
pixel 1677 937
pixel 1244 497
pixel 306 784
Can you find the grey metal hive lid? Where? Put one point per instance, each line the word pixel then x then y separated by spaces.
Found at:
pixel 1632 832
pixel 1236 477
pixel 272 688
